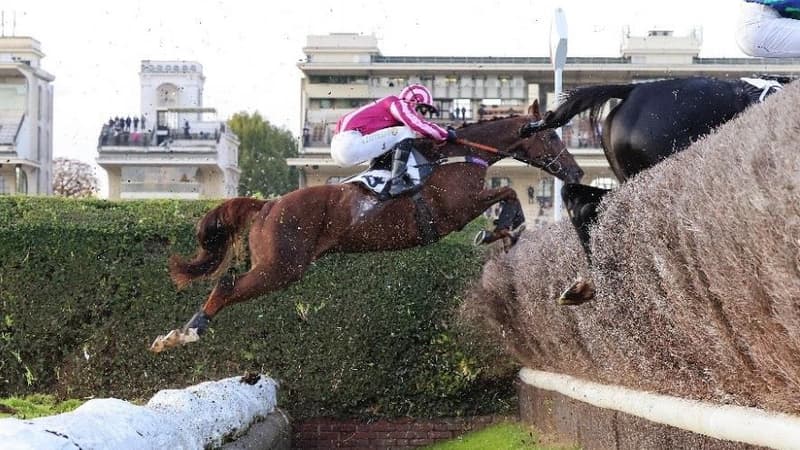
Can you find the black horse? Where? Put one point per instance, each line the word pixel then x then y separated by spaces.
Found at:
pixel 653 121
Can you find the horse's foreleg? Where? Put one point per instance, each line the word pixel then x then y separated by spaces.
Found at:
pixel 511 222
pixel 582 204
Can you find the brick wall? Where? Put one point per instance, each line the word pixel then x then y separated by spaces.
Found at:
pixel 406 433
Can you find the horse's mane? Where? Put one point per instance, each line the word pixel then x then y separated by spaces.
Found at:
pixel 483 121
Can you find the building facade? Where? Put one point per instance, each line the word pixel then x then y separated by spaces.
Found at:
pixel 26 118
pixel 344 71
pixel 174 147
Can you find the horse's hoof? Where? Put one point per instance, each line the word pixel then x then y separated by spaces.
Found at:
pixel 173 339
pixel 579 293
pixel 482 237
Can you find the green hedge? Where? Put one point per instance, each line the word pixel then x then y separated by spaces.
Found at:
pixel 84 290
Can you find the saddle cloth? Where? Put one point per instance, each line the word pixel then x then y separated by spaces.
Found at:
pixel 377 179
pixel 763 87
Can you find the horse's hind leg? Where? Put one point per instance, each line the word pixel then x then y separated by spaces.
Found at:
pixel 511 222
pixel 259 280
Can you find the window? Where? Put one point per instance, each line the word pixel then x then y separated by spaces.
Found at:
pixel 3 190
pixel 167 95
pixel 604 183
pixel 22 181
pixel 544 194
pixel 397 82
pixel 497 182
pixel 462 109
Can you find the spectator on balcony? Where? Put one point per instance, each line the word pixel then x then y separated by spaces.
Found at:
pixel 135 124
pixel 143 123
pixel 186 129
pixel 128 123
pixel 390 123
pixel 769 28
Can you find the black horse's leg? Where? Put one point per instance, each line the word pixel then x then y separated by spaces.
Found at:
pixel 581 202
pixel 511 216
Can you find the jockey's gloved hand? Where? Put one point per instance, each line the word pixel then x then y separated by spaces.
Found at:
pixel 451 134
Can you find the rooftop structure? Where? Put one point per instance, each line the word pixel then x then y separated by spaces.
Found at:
pixel 26 118
pixel 174 147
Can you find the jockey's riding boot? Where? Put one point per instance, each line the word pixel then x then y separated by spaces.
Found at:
pixel 399 182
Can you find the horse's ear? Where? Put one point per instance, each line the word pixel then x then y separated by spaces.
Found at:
pixel 533 110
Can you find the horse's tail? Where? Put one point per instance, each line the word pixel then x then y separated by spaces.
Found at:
pixel 216 232
pixel 577 100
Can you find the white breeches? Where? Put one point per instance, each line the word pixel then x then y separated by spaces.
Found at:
pixel 349 148
pixel 762 32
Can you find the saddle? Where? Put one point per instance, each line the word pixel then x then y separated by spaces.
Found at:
pixel 376 177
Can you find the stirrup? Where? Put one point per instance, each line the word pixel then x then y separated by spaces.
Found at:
pixel 481 237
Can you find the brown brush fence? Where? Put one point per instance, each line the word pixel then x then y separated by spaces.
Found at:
pixel 697 268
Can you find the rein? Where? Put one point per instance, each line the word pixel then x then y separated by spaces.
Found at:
pixel 483 147
pixel 490 149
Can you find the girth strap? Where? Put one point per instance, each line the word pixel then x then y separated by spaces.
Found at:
pixel 463 159
pixel 425 225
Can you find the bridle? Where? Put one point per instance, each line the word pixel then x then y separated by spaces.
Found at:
pixel 553 162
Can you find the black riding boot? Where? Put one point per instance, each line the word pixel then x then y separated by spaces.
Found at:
pixel 399 182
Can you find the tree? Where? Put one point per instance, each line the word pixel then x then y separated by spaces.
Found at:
pixel 263 151
pixel 73 178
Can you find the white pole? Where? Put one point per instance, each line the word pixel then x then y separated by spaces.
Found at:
pixel 727 422
pixel 558 56
pixel 557 183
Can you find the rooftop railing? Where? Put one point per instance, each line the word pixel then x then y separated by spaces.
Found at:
pixel 380 59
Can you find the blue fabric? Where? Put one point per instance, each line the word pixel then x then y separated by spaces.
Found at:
pixel 786 8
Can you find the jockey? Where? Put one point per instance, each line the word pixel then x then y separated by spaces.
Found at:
pixel 769 28
pixel 389 123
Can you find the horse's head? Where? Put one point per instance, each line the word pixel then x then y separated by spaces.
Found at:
pixel 545 150
pixel 548 152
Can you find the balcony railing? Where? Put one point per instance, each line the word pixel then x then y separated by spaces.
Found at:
pixel 110 136
pixel 141 187
pixel 379 59
pixel 124 138
pixel 577 133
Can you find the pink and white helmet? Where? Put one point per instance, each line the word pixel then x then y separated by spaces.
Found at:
pixel 419 94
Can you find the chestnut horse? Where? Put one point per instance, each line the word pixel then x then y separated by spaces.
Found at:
pixel 289 233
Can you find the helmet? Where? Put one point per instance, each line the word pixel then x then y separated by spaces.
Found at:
pixel 419 94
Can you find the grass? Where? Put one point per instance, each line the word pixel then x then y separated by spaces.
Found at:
pixel 36 405
pixel 502 436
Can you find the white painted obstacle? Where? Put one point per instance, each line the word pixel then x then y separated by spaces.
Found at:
pixel 727 422
pixel 197 417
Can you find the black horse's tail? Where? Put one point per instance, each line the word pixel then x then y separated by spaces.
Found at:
pixel 577 100
pixel 216 232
